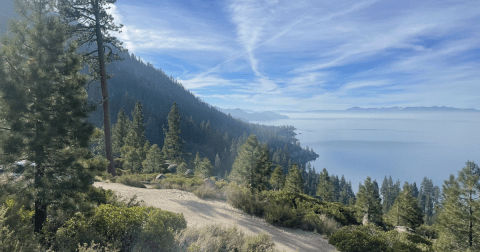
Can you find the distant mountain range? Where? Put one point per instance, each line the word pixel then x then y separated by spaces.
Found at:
pixel 386 110
pixel 253 116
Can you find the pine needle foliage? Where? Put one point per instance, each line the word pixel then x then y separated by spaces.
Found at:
pixel 46 107
pixel 294 182
pixel 459 221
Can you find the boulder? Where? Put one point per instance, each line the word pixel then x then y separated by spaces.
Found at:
pixel 172 168
pixel 189 172
pixel 160 176
pixel 209 183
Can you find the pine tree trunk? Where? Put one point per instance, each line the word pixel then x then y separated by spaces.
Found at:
pixel 40 207
pixel 103 83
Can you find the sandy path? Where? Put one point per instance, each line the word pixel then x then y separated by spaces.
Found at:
pixel 198 212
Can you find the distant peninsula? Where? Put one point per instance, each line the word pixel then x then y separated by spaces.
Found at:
pixel 253 116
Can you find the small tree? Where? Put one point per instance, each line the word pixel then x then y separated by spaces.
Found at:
pixel 205 168
pixel 120 131
pixel 405 211
pixel 369 202
pixel 277 180
pixel 294 181
pixel 243 169
pixel 173 144
pixel 154 162
pixel 325 187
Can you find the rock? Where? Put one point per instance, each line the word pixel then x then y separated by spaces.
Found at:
pixel 160 176
pixel 172 168
pixel 402 229
pixel 209 183
pixel 189 172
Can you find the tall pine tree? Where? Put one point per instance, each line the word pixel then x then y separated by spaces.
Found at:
pixel 46 108
pixel 368 202
pixel 173 144
pixel 459 221
pixel 405 211
pixel 120 130
pixel 277 180
pixel 90 23
pixel 243 169
pixel 325 187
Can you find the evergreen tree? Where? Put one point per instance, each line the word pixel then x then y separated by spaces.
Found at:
pixel 120 131
pixel 45 109
pixel 217 164
pixel 182 168
pixel 243 169
pixel 428 199
pixel 459 221
pixel 205 168
pixel 263 169
pixel 137 124
pixel 336 187
pixel 405 211
pixel 90 23
pixel 294 181
pixel 277 180
pixel 346 194
pixel 325 187
pixel 196 162
pixel 173 144
pixel 154 162
pixel 415 190
pixel 368 202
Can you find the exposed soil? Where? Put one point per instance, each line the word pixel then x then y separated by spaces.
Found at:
pixel 199 212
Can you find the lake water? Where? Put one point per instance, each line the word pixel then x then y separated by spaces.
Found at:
pixel 406 146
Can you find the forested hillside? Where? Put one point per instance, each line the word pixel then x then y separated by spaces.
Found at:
pixel 204 128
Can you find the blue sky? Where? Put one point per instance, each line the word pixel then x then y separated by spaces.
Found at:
pixel 305 55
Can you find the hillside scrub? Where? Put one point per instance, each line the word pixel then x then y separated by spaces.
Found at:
pixel 216 238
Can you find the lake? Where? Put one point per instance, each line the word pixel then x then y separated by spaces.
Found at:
pixel 407 146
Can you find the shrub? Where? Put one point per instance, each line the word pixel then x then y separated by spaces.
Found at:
pixel 180 181
pixel 158 232
pixel 282 215
pixel 205 192
pixel 241 197
pixel 359 239
pixel 216 238
pixel 427 231
pixel 261 243
pixel 130 181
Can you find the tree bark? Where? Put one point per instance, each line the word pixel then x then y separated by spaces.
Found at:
pixel 104 87
pixel 40 207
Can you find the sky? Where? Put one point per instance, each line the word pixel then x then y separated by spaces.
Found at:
pixel 307 55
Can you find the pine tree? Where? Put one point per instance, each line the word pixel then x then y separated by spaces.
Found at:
pixel 90 23
pixel 120 131
pixel 45 108
pixel 368 202
pixel 196 161
pixel 294 181
pixel 173 144
pixel 405 211
pixel 325 187
pixel 243 169
pixel 218 163
pixel 205 168
pixel 277 180
pixel 154 162
pixel 263 169
pixel 459 221
pixel 137 124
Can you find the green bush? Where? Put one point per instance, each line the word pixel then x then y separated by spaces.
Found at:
pixel 259 243
pixel 427 231
pixel 125 228
pixel 406 242
pixel 180 181
pixel 282 215
pixel 241 197
pixel 217 238
pixel 130 181
pixel 359 239
pixel 204 192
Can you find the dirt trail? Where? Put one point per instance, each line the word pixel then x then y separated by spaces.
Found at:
pixel 198 212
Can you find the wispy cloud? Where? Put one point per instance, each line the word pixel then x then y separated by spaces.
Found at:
pixel 310 54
